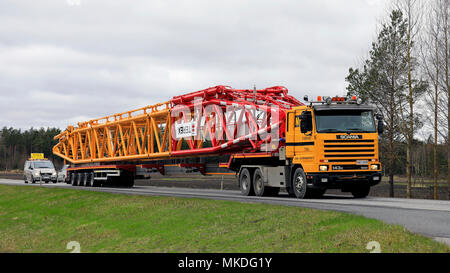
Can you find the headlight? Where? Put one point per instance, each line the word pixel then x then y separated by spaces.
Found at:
pixel 375 167
pixel 36 173
pixel 323 168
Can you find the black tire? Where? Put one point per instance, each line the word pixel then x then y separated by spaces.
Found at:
pixel 86 179
pixel 315 193
pixel 92 182
pixel 290 192
pixel 73 179
pixel 361 192
pixel 76 179
pixel 258 183
pixel 25 179
pixel 245 182
pixel 299 183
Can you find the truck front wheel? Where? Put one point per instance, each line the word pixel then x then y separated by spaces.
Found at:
pixel 245 182
pixel 299 185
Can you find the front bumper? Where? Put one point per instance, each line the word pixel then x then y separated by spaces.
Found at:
pixel 342 180
pixel 44 178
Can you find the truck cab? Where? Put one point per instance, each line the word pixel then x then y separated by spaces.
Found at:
pixel 333 144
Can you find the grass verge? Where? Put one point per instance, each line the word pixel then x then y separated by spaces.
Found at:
pixel 34 219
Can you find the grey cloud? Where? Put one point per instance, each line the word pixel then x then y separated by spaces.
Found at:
pixel 60 64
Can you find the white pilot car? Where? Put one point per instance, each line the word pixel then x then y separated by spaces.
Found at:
pixel 39 170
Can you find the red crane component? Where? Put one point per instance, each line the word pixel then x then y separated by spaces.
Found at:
pixel 232 119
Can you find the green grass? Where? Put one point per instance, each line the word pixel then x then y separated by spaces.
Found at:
pixel 34 219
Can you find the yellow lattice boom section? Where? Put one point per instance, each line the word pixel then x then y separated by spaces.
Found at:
pixel 143 133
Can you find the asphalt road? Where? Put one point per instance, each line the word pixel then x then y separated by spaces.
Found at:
pixel 427 217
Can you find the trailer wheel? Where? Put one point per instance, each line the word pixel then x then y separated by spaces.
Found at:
pixel 361 192
pixel 87 179
pixel 258 183
pixel 73 179
pixel 92 182
pixel 245 182
pixel 78 179
pixel 299 184
pixel 81 178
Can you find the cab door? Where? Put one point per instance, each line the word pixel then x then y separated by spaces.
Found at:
pixel 304 139
pixel 290 134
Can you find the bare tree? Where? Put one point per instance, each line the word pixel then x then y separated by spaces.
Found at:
pixel 412 12
pixel 444 6
pixel 434 54
pixel 431 60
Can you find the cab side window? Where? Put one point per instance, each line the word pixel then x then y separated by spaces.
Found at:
pixel 297 121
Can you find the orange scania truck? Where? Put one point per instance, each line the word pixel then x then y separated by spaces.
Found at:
pixel 268 139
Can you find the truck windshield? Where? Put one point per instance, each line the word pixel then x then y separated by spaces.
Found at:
pixel 345 121
pixel 43 165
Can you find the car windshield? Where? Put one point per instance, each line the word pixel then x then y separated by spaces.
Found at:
pixel 345 121
pixel 44 165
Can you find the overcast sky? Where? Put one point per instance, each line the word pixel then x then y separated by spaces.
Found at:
pixel 64 61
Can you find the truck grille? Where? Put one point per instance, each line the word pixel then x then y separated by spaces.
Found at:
pixel 342 150
pixel 349 167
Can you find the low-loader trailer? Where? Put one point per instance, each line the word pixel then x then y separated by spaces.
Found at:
pixel 266 138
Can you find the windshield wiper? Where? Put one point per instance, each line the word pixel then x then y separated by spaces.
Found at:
pixel 329 130
pixel 358 130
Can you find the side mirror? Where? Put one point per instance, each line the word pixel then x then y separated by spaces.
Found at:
pixel 380 126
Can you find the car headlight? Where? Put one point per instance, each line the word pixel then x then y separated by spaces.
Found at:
pixel 36 173
pixel 323 168
pixel 374 166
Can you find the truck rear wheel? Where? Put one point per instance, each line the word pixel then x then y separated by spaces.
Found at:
pixel 258 183
pixel 299 184
pixel 245 182
pixel 361 192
